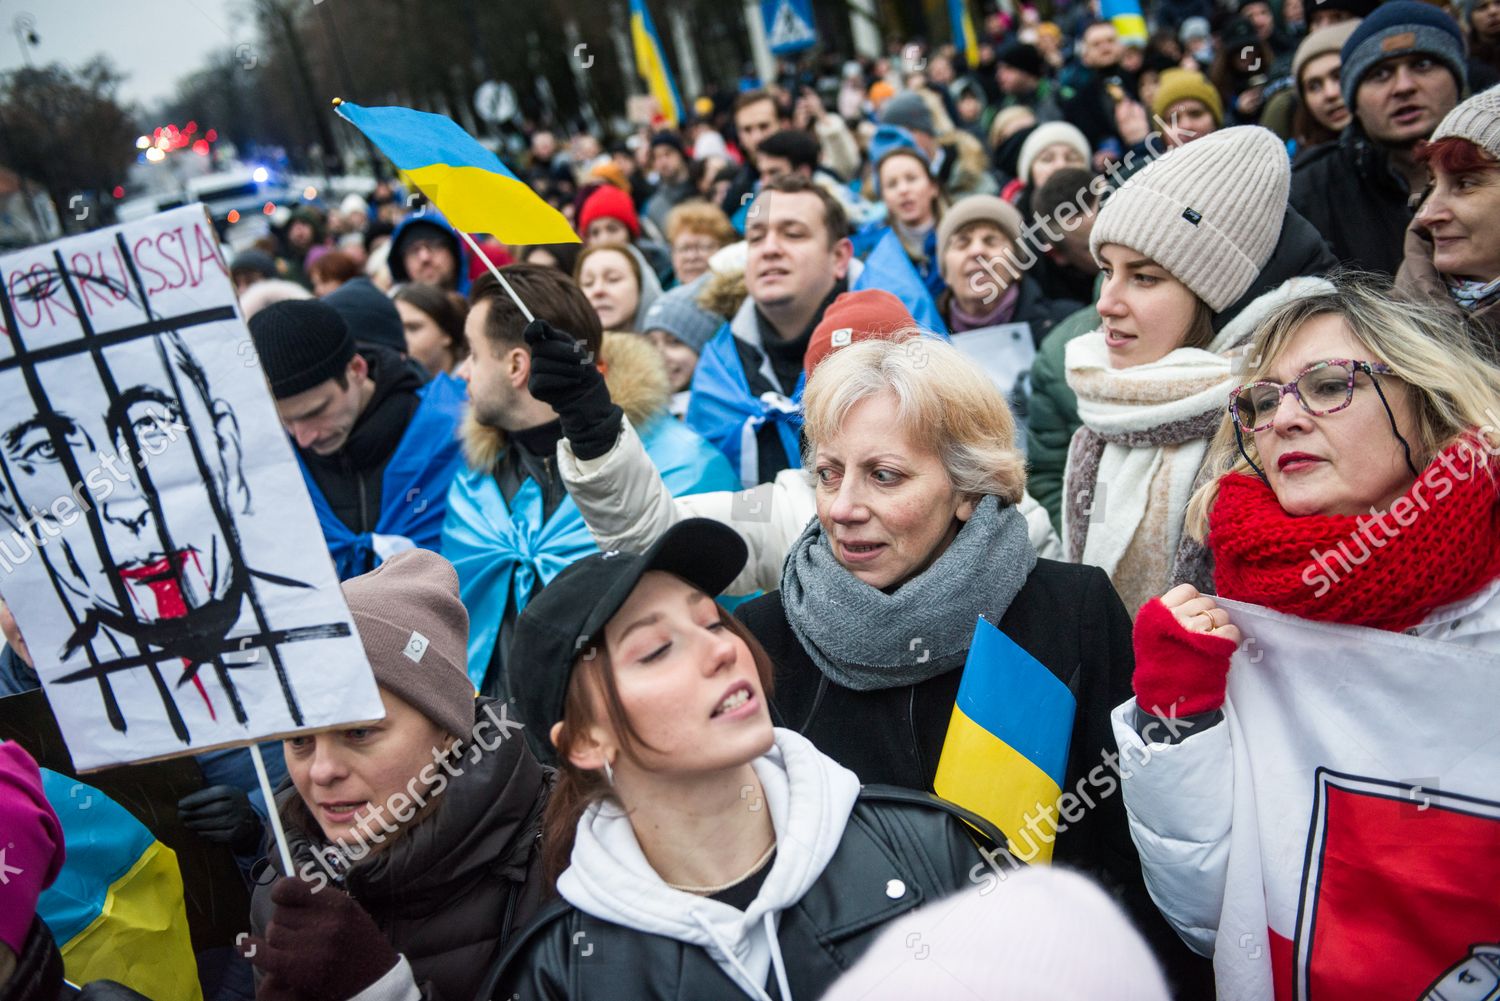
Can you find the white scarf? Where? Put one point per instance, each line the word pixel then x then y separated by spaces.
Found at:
pixel 1134 410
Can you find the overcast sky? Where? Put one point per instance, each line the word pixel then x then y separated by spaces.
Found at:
pixel 153 42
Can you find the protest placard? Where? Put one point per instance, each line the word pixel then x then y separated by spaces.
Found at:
pixel 157 545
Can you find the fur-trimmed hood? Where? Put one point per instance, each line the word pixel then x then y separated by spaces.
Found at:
pixel 637 381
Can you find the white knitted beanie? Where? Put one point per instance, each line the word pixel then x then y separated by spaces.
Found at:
pixel 1477 120
pixel 1048 134
pixel 1041 934
pixel 1209 212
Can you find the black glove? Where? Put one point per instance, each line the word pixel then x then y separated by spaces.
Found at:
pixel 223 814
pixel 320 944
pixel 565 377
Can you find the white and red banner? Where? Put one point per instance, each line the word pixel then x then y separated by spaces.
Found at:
pixel 1364 856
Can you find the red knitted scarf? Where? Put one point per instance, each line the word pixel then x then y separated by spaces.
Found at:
pixel 1439 543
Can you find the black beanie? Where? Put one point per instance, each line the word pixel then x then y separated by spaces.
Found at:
pixel 301 343
pixel 370 315
pixel 1026 58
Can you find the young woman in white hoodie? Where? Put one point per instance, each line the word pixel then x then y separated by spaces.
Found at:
pixel 704 853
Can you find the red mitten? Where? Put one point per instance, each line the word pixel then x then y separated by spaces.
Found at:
pixel 1178 672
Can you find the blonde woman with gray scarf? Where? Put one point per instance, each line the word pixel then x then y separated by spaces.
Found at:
pixel 918 533
pixel 1195 250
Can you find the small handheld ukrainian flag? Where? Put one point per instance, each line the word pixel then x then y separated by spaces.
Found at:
pixel 468 184
pixel 1007 744
pixel 965 38
pixel 1126 17
pixel 651 63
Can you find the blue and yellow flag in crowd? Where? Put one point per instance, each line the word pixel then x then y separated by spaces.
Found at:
pixel 965 38
pixel 651 63
pixel 1126 16
pixel 116 909
pixel 1007 744
pixel 466 182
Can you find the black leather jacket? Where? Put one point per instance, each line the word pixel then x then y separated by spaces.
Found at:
pixel 901 849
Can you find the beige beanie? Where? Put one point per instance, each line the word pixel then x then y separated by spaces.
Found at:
pixel 978 208
pixel 1477 120
pixel 415 632
pixel 1049 134
pixel 1321 43
pixel 1209 212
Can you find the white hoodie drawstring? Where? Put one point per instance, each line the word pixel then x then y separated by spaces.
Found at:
pixel 774 941
pixel 734 960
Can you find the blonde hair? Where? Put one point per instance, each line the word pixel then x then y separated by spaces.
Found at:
pixel 701 218
pixel 1456 385
pixel 942 400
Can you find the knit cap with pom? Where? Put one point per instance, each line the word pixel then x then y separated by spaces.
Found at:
pixel 1208 212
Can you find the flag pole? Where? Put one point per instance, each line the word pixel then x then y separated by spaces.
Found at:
pixel 499 277
pixel 271 811
pixel 337 101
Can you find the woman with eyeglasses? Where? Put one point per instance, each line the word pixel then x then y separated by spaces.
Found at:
pixel 1366 429
pixel 1194 251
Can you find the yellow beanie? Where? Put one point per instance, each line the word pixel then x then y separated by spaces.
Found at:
pixel 1181 85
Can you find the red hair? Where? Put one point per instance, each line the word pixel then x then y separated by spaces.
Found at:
pixel 1454 156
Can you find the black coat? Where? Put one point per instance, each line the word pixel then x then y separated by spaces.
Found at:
pixel 1071 620
pixel 892 834
pixel 449 890
pixel 351 477
pixel 1350 194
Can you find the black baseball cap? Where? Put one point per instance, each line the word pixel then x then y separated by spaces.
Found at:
pixel 570 613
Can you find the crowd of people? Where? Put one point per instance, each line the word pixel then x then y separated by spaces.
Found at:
pixel 1082 341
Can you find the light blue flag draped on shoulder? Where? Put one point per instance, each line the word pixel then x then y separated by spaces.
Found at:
pixel 414 487
pixel 890 269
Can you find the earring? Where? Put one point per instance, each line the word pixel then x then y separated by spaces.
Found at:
pixel 609 773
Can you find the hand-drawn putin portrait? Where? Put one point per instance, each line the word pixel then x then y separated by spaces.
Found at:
pixel 121 471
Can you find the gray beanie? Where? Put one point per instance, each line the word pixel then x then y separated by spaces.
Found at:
pixel 1477 120
pixel 908 110
pixel 415 632
pixel 1209 212
pixel 677 313
pixel 1400 28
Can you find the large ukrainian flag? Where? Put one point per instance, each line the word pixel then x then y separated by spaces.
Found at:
pixel 468 184
pixel 651 63
pixel 1126 17
pixel 1007 744
pixel 965 38
pixel 116 909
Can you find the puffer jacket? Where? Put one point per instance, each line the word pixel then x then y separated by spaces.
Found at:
pixel 848 860
pixel 450 890
pixel 627 506
pixel 1054 412
pixel 1420 280
pixel 1180 799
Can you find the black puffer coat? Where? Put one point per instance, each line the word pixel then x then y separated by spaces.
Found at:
pixel 452 887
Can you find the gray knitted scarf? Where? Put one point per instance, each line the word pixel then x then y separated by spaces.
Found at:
pixel 865 639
